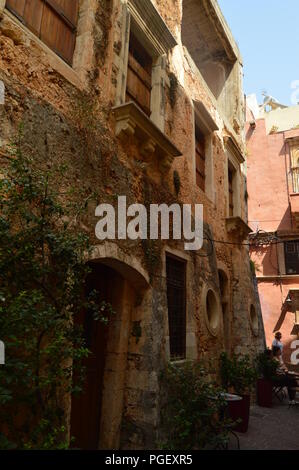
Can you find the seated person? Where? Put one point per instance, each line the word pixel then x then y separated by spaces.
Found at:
pixel 282 378
pixel 277 341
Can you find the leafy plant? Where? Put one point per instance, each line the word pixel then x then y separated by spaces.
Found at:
pixel 42 274
pixel 237 372
pixel 192 415
pixel 266 366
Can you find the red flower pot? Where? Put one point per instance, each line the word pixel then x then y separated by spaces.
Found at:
pixel 264 393
pixel 239 410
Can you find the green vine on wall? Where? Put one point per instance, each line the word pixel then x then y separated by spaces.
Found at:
pixel 42 275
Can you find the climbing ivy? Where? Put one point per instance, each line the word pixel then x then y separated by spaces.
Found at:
pixel 42 276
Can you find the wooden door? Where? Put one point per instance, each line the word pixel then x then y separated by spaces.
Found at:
pixel 86 408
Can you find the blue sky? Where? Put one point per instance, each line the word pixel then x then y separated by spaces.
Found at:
pixel 267 32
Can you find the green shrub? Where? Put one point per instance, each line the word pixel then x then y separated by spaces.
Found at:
pixel 266 366
pixel 191 416
pixel 237 372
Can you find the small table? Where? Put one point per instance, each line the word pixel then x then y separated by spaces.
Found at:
pixel 230 397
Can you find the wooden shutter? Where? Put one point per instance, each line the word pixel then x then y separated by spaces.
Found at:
pixel 200 158
pixel 139 76
pixel 53 21
pixel 231 192
pixel 16 7
pixel 291 249
pixel 176 299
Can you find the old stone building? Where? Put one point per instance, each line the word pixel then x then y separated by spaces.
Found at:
pixel 273 143
pixel 141 99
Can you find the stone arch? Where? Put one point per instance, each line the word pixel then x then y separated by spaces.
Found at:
pixel 129 295
pixel 127 265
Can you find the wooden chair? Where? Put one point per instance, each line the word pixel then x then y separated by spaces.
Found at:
pixel 279 392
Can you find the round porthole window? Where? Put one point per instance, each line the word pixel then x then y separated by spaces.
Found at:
pixel 254 319
pixel 212 311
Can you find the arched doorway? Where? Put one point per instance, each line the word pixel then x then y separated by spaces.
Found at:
pixel 97 412
pixel 224 291
pixel 86 407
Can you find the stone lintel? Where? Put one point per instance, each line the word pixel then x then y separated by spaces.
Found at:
pixel 232 145
pixel 204 118
pixel 150 24
pixel 132 121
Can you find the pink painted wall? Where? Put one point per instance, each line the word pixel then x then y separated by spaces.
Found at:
pixel 268 202
pixel 275 317
pixel 269 210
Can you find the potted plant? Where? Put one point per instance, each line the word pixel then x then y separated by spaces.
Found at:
pixel 238 376
pixel 266 369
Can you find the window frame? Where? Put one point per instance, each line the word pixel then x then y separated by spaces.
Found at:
pixel 203 120
pixel 183 356
pixel 143 19
pixel 200 139
pixel 235 168
pixel 295 242
pixel 52 5
pixel 231 175
pixel 294 165
pixel 130 71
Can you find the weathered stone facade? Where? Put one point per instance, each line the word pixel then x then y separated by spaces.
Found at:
pixel 77 115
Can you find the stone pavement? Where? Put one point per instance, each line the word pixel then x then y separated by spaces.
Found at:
pixel 275 428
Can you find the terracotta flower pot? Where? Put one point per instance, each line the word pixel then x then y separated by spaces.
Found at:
pixel 239 410
pixel 264 393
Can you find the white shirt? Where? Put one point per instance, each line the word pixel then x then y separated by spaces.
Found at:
pixel 278 344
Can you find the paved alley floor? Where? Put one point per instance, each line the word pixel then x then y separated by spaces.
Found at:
pixel 275 428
